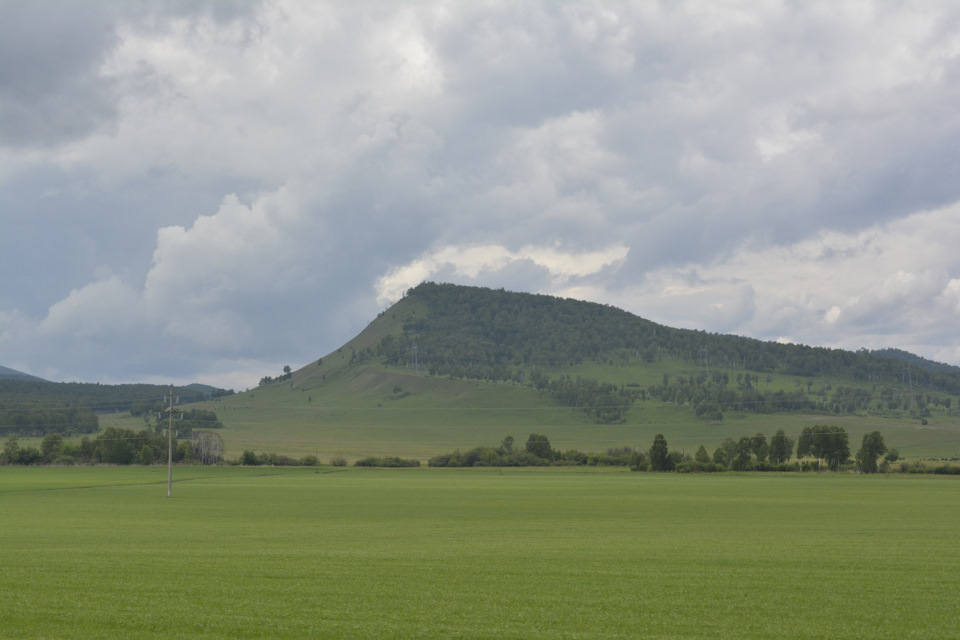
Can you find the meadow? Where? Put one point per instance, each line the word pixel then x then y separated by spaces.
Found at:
pixel 473 553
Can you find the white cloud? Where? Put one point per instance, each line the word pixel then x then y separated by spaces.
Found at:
pixel 99 309
pixel 888 285
pixel 469 263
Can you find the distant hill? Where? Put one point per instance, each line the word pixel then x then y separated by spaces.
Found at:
pixel 451 366
pixel 101 398
pixel 12 374
pixel 915 360
pixel 477 333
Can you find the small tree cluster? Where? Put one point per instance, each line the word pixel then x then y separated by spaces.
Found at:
pixel 252 459
pixel 386 461
pixel 536 452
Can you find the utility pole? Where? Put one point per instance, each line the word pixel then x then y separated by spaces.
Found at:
pixel 170 446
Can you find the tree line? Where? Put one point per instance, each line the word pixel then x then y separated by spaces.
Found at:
pixel 118 446
pixel 820 447
pixel 33 420
pixel 99 398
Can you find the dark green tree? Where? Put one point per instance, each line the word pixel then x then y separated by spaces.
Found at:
pixel 50 446
pixel 702 456
pixel 759 447
pixel 827 443
pixel 781 447
pixel 539 446
pixel 741 461
pixel 726 452
pixel 660 454
pixel 115 446
pixel 11 450
pixel 871 448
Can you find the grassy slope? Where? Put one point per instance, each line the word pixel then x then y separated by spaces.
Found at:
pixel 288 553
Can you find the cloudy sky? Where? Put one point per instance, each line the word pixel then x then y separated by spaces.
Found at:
pixel 206 192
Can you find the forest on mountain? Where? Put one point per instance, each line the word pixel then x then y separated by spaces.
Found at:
pixel 38 408
pixel 484 334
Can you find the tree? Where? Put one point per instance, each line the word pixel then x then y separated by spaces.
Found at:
pixel 208 446
pixel 781 447
pixel 50 446
pixel 146 455
pixel 638 461
pixel 719 456
pixel 702 456
pixel 660 454
pixel 871 448
pixel 759 447
pixel 539 446
pixel 11 450
pixel 826 443
pixel 114 446
pixel 805 445
pixel 507 445
pixel 726 452
pixel 741 461
pixel 837 450
pixel 249 458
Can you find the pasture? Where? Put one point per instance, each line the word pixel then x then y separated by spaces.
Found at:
pixel 433 553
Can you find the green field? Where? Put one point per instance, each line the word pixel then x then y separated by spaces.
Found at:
pixel 429 553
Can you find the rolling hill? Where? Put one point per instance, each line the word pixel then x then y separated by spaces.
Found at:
pixel 451 366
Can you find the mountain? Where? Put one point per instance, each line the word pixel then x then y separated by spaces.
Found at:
pixel 476 333
pixel 451 366
pixel 12 374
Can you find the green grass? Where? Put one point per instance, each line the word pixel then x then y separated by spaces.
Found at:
pixel 289 553
pixel 356 413
pixel 339 408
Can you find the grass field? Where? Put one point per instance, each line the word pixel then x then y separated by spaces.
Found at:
pixel 360 414
pixel 430 553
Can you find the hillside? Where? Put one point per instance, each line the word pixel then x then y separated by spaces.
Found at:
pixel 451 366
pixel 6 373
pixel 34 408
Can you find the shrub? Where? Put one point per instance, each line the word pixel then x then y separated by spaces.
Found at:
pixel 947 469
pixel 338 461
pixel 386 461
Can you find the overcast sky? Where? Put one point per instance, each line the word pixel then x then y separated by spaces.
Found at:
pixel 206 192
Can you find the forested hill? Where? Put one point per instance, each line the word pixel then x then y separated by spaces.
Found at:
pixel 482 333
pixel 915 360
pixel 100 398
